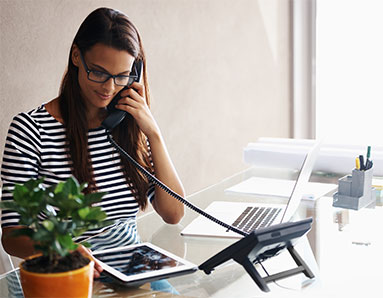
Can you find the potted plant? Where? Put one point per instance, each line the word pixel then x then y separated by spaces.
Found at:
pixel 51 217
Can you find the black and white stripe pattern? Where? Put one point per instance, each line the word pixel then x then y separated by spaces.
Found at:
pixel 35 147
pixel 122 233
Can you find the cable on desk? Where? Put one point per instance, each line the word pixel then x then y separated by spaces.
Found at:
pixel 282 287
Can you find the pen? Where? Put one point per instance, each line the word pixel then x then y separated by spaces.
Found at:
pixel 368 162
pixel 361 160
pixel 357 163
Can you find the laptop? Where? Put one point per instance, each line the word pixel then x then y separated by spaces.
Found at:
pixel 251 216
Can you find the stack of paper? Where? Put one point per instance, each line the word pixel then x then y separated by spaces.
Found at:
pixel 290 153
pixel 279 188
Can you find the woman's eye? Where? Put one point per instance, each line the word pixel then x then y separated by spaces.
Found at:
pixel 99 74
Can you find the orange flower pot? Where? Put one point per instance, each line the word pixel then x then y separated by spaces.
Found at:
pixel 75 283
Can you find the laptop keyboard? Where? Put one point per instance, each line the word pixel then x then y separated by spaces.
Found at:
pixel 256 217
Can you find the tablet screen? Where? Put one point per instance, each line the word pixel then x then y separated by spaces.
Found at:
pixel 138 260
pixel 142 262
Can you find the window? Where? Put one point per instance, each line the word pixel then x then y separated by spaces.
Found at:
pixel 349 71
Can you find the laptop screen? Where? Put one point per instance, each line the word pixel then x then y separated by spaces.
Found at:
pixel 301 181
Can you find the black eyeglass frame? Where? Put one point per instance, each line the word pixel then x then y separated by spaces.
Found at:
pixel 88 71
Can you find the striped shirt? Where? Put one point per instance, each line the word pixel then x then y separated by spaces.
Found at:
pixel 35 147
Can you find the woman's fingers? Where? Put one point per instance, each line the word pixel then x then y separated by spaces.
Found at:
pixel 88 253
pixel 132 103
pixel 139 88
pixel 134 90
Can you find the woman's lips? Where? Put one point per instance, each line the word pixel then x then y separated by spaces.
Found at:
pixel 104 96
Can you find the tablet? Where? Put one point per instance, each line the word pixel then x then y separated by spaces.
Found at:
pixel 137 264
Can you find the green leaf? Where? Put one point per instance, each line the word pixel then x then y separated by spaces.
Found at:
pixel 83 186
pixel 79 231
pixel 83 212
pixel 62 226
pixel 70 186
pixel 19 193
pixel 26 221
pixel 96 214
pixel 48 225
pixel 74 185
pixel 67 242
pixel 93 197
pixel 42 235
pixel 59 188
pixel 86 244
pixel 43 248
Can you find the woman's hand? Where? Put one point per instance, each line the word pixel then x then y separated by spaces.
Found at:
pixel 133 101
pixel 88 253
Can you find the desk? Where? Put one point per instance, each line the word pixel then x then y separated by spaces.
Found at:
pixel 344 249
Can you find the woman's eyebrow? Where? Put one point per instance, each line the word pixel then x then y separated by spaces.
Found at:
pixel 127 72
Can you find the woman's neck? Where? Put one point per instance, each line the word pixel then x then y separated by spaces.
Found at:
pixel 53 108
pixel 93 116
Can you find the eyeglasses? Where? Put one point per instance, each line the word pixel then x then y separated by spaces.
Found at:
pixel 101 77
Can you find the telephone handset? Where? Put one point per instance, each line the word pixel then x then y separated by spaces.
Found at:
pixel 116 115
pixel 114 118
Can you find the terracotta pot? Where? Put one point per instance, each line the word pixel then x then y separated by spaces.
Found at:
pixel 75 283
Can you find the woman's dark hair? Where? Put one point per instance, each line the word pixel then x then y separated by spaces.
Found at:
pixel 114 29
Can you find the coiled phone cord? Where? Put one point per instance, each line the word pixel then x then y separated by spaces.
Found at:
pixel 169 191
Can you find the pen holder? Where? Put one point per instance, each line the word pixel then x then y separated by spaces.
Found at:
pixel 356 191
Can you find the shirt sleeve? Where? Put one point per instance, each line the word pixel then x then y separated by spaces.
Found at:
pixel 21 160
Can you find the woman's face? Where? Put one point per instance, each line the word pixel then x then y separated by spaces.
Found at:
pixel 108 60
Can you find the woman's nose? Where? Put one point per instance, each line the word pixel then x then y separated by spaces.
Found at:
pixel 109 85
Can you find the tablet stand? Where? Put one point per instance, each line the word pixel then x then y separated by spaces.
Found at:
pixel 248 251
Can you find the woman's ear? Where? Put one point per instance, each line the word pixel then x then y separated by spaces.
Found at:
pixel 75 55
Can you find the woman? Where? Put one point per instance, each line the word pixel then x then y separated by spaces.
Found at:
pixel 64 136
